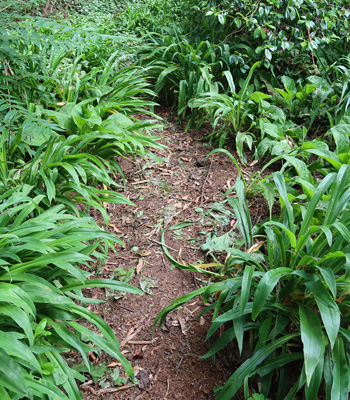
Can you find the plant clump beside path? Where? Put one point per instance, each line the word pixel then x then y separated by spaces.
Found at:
pixel 268 83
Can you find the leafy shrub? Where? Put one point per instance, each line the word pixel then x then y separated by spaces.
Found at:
pixel 232 111
pixel 40 281
pixel 63 123
pixel 287 293
pixel 284 35
pixel 180 70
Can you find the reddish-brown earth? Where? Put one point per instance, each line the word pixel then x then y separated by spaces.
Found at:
pixel 167 363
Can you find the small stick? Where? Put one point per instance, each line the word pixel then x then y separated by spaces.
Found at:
pixel 162 244
pixel 138 182
pixel 142 342
pixel 163 260
pixel 167 389
pixel 102 391
pixel 202 196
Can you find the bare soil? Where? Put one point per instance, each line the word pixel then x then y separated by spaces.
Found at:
pixel 167 362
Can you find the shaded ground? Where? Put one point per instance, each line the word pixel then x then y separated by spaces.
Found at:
pixel 183 188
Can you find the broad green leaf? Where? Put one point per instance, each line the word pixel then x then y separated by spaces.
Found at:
pixel 246 284
pixel 11 377
pixel 20 317
pixel 104 283
pixel 312 389
pixel 329 156
pixel 340 386
pixel 248 368
pixel 311 336
pixel 329 310
pixel 289 233
pixel 265 287
pixel 16 348
pixel 278 362
pixel 289 85
pixel 45 387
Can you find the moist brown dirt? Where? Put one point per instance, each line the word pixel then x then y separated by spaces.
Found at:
pixel 167 362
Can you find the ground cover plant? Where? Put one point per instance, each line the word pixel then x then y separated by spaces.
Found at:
pixel 286 292
pixel 63 122
pixel 272 82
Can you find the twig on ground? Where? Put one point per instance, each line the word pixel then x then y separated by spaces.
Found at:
pixel 113 390
pixel 163 260
pixel 162 244
pixel 142 342
pixel 167 389
pixel 205 180
pixel 133 332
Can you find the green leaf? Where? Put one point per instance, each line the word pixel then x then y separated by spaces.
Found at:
pixel 176 304
pixel 311 390
pixel 181 225
pixel 17 349
pixel 311 336
pixel 11 375
pixel 340 388
pixel 246 284
pixel 329 310
pixel 104 283
pixel 289 85
pixel 248 368
pixel 265 287
pixel 289 233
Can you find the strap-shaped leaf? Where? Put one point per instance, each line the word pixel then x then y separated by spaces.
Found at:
pixel 322 188
pixel 340 386
pixel 16 348
pixel 265 287
pixel 312 389
pixel 248 368
pixel 104 283
pixel 311 336
pixel 246 284
pixel 11 376
pixel 329 310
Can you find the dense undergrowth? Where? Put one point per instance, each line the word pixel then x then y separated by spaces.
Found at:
pixel 272 78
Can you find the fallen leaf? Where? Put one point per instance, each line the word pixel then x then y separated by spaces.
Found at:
pixel 144 253
pixel 182 324
pixel 114 364
pixel 201 321
pixel 253 163
pixel 116 230
pixel 140 265
pixel 105 205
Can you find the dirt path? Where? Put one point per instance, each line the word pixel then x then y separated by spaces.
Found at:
pixel 167 364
